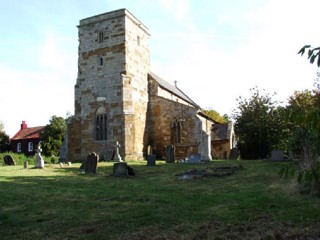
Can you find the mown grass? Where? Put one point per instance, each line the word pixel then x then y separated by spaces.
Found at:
pixel 63 203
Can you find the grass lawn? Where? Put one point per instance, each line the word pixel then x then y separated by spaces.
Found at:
pixel 62 203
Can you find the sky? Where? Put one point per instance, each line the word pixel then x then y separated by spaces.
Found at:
pixel 216 50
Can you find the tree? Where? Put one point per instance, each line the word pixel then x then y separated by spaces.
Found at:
pixel 52 136
pixel 216 116
pixel 4 142
pixel 313 54
pixel 259 125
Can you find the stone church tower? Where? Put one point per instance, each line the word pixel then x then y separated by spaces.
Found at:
pixel 111 92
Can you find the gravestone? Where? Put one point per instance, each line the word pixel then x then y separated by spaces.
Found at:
pixel 195 158
pixel 120 169
pixel 63 149
pixel 8 160
pixel 117 157
pixel 170 154
pixel 91 163
pixel 151 160
pixel 277 155
pixel 234 154
pixel 39 163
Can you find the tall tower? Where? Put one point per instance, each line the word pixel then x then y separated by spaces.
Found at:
pixel 111 93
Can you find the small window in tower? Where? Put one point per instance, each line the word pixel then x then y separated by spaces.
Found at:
pixel 138 40
pixel 101 61
pixel 100 37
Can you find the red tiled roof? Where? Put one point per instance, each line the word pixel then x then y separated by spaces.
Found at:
pixel 32 132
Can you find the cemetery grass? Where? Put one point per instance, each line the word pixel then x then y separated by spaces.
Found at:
pixel 63 203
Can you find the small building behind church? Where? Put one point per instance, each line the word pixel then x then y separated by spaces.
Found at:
pixel 223 140
pixel 118 97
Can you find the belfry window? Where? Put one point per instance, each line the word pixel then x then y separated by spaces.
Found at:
pixel 101 124
pixel 101 37
pixel 176 131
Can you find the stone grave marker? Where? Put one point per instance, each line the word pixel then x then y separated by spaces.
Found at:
pixel 120 169
pixel 234 154
pixel 39 163
pixel 170 154
pixel 277 155
pixel 151 160
pixel 91 163
pixel 117 157
pixel 195 158
pixel 8 160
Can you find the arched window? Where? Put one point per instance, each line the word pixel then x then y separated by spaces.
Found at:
pixel 176 131
pixel 101 124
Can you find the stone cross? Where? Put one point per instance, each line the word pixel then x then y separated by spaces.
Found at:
pixel 39 163
pixel 117 157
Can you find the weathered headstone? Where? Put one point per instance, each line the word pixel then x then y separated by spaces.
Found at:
pixel 195 158
pixel 170 154
pixel 120 169
pixel 277 155
pixel 234 154
pixel 63 149
pixel 151 160
pixel 91 163
pixel 39 163
pixel 117 157
pixel 8 160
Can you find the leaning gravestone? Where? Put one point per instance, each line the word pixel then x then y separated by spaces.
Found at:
pixel 151 160
pixel 277 155
pixel 39 163
pixel 8 160
pixel 170 154
pixel 120 169
pixel 195 158
pixel 91 163
pixel 234 154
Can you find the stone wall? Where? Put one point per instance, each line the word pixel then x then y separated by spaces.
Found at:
pixel 113 65
pixel 195 129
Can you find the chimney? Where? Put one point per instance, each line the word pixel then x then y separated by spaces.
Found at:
pixel 23 125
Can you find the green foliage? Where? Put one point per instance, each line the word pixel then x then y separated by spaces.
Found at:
pixel 4 142
pixel 303 117
pixel 313 54
pixel 216 116
pixel 52 136
pixel 19 158
pixel 260 125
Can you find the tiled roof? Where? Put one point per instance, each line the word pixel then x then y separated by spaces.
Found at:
pixel 173 89
pixel 31 132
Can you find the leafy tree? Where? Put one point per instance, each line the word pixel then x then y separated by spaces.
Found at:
pixel 216 116
pixel 4 141
pixel 313 54
pixel 52 136
pixel 259 125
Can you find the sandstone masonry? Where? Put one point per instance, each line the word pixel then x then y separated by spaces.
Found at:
pixel 117 98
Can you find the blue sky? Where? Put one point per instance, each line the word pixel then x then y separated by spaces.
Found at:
pixel 215 49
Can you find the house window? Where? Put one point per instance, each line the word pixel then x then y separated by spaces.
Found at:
pixel 101 124
pixel 19 147
pixel 30 146
pixel 176 132
pixel 101 37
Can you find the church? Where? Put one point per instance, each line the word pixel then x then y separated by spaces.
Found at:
pixel 119 99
